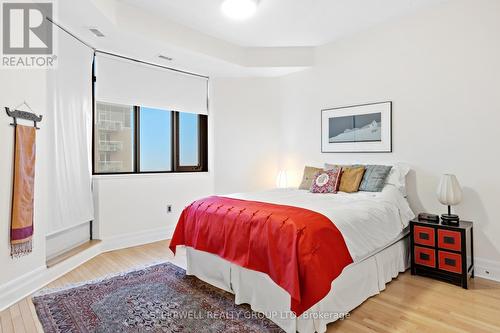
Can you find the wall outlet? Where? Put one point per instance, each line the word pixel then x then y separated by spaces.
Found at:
pixel 169 209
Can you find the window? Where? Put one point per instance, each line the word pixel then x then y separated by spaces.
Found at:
pixel 155 142
pixel 114 138
pixel 132 139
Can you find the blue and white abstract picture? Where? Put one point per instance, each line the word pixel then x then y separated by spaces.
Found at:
pixel 357 128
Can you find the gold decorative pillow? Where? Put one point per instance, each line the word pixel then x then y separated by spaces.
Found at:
pixel 351 178
pixel 307 179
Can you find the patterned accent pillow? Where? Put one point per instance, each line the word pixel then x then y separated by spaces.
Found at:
pixel 374 178
pixel 308 177
pixel 351 178
pixel 326 182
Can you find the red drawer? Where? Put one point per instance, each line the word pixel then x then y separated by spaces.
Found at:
pixel 425 256
pixel 423 235
pixel 449 239
pixel 451 262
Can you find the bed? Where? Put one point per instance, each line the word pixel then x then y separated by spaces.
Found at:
pixel 374 228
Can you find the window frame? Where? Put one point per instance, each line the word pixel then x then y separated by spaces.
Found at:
pixel 175 161
pixel 175 148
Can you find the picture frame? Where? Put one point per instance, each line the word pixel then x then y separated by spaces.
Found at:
pixel 363 128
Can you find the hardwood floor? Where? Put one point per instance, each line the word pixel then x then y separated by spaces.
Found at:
pixel 409 304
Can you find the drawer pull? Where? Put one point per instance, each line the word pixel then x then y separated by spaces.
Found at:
pixel 450 262
pixel 424 256
pixel 449 240
pixel 424 236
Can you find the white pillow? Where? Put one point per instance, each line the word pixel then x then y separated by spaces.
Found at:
pixel 397 177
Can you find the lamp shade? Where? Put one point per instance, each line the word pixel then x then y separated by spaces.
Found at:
pixel 449 191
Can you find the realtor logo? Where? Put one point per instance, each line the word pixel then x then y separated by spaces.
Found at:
pixel 26 31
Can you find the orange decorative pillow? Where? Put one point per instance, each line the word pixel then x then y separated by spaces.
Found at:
pixel 351 178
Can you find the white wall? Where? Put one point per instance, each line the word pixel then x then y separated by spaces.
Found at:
pixel 245 112
pixel 17 86
pixel 441 69
pixel 131 204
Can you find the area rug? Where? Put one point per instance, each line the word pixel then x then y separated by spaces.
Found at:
pixel 160 298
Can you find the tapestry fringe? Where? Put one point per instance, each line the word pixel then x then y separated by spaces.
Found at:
pixel 22 249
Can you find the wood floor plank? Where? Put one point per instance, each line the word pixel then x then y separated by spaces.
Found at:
pixel 38 325
pixel 27 316
pixel 6 320
pixel 409 303
pixel 17 319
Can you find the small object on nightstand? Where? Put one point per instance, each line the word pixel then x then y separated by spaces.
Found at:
pixel 428 217
pixel 449 193
pixel 442 251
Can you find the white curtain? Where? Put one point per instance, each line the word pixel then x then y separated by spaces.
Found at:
pixel 127 82
pixel 70 118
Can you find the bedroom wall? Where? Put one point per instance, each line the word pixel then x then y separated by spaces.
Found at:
pixel 18 86
pixel 246 116
pixel 440 68
pixel 135 206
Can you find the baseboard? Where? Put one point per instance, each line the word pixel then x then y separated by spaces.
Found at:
pixel 487 269
pixel 25 285
pixel 137 238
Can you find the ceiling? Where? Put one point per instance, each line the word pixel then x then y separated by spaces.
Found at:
pixel 280 39
pixel 282 22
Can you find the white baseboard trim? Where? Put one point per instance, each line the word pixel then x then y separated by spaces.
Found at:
pixel 137 238
pixel 487 269
pixel 25 285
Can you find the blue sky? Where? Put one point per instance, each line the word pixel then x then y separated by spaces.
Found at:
pixel 156 139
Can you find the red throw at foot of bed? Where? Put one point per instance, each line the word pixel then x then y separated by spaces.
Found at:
pixel 302 251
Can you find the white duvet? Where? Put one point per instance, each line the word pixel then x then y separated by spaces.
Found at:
pixel 368 221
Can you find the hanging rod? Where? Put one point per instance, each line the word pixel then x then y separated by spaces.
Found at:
pixel 122 56
pixel 15 114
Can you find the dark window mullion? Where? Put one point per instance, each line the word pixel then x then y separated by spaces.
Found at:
pixel 137 143
pixel 174 141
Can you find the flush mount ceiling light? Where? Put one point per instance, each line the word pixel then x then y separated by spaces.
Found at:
pixel 239 9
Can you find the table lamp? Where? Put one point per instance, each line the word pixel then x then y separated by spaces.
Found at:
pixel 449 193
pixel 282 179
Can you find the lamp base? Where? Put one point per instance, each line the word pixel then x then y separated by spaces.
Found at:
pixel 450 219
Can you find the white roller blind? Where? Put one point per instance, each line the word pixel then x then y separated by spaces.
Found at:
pixel 70 132
pixel 127 82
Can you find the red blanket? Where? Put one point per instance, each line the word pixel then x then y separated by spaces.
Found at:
pixel 300 250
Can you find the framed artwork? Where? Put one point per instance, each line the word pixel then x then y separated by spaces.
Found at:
pixel 357 129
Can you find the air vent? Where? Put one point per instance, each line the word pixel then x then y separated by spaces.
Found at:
pixel 165 57
pixel 96 32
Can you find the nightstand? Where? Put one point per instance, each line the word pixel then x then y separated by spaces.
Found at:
pixel 441 251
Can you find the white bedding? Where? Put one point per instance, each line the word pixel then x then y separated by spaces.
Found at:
pixel 369 221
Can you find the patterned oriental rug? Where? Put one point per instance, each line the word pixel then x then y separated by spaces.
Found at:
pixel 160 298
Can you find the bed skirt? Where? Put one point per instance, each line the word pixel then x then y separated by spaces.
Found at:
pixel 358 282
